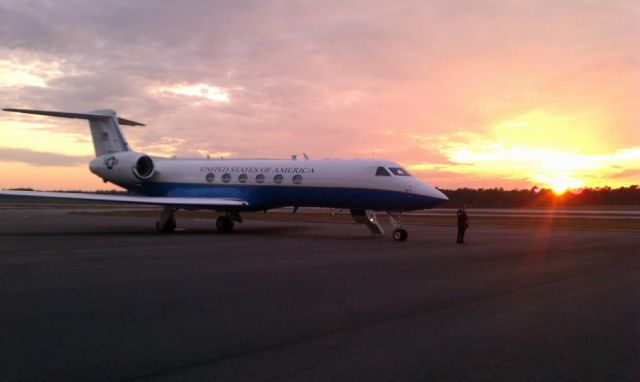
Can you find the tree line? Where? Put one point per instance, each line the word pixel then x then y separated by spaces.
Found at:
pixel 536 197
pixel 501 198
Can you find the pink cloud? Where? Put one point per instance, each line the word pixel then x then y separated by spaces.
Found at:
pixel 332 80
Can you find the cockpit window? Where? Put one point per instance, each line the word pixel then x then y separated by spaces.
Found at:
pixel 399 171
pixel 381 171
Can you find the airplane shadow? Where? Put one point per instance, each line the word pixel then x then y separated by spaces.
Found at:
pixel 292 231
pixel 151 232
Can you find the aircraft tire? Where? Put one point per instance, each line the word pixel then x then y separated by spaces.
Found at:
pixel 224 224
pixel 169 226
pixel 400 235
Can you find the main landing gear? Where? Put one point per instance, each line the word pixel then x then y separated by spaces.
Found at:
pixel 167 222
pixel 369 218
pixel 225 223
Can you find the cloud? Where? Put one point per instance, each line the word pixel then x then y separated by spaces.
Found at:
pixel 328 78
pixel 195 91
pixel 633 174
pixel 40 158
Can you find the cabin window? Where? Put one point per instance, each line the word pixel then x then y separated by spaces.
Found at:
pixel 297 179
pixel 243 178
pixel 226 177
pixel 399 171
pixel 210 177
pixel 278 178
pixel 381 171
pixel 260 178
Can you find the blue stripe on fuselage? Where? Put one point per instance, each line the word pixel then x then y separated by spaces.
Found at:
pixel 267 197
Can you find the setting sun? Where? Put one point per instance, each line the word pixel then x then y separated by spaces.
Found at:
pixel 560 185
pixel 536 148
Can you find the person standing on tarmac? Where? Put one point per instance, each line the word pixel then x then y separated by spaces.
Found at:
pixel 463 224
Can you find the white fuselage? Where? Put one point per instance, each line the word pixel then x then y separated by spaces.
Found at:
pixel 271 183
pixel 232 186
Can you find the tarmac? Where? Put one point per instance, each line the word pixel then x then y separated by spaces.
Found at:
pixel 106 298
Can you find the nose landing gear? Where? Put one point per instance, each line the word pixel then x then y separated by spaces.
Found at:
pixel 368 217
pixel 399 233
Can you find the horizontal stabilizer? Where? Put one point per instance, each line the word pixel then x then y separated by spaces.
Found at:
pixel 147 200
pixel 62 114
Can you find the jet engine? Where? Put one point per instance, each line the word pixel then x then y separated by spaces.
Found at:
pixel 127 167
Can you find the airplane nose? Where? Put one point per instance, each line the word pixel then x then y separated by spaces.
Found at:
pixel 440 195
pixel 433 192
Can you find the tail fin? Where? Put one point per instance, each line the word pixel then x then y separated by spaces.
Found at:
pixel 105 131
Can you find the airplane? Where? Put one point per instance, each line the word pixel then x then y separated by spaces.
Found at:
pixel 233 186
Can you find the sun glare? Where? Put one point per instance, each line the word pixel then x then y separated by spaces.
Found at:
pixel 540 148
pixel 560 185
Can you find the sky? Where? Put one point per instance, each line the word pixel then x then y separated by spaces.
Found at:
pixel 510 94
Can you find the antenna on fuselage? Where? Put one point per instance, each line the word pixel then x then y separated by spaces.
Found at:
pixel 306 157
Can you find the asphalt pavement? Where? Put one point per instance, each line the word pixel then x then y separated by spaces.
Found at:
pixel 98 298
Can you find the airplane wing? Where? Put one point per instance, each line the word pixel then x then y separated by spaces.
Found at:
pixel 148 200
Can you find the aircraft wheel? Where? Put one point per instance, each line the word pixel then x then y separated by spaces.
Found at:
pixel 224 224
pixel 400 235
pixel 168 227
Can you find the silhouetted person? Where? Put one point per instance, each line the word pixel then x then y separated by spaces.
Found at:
pixel 463 220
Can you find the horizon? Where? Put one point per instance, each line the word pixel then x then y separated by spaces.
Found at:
pixel 534 189
pixel 463 94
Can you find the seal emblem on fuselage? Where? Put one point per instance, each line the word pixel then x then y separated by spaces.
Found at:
pixel 111 162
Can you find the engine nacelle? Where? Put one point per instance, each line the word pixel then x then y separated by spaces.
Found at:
pixel 127 167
